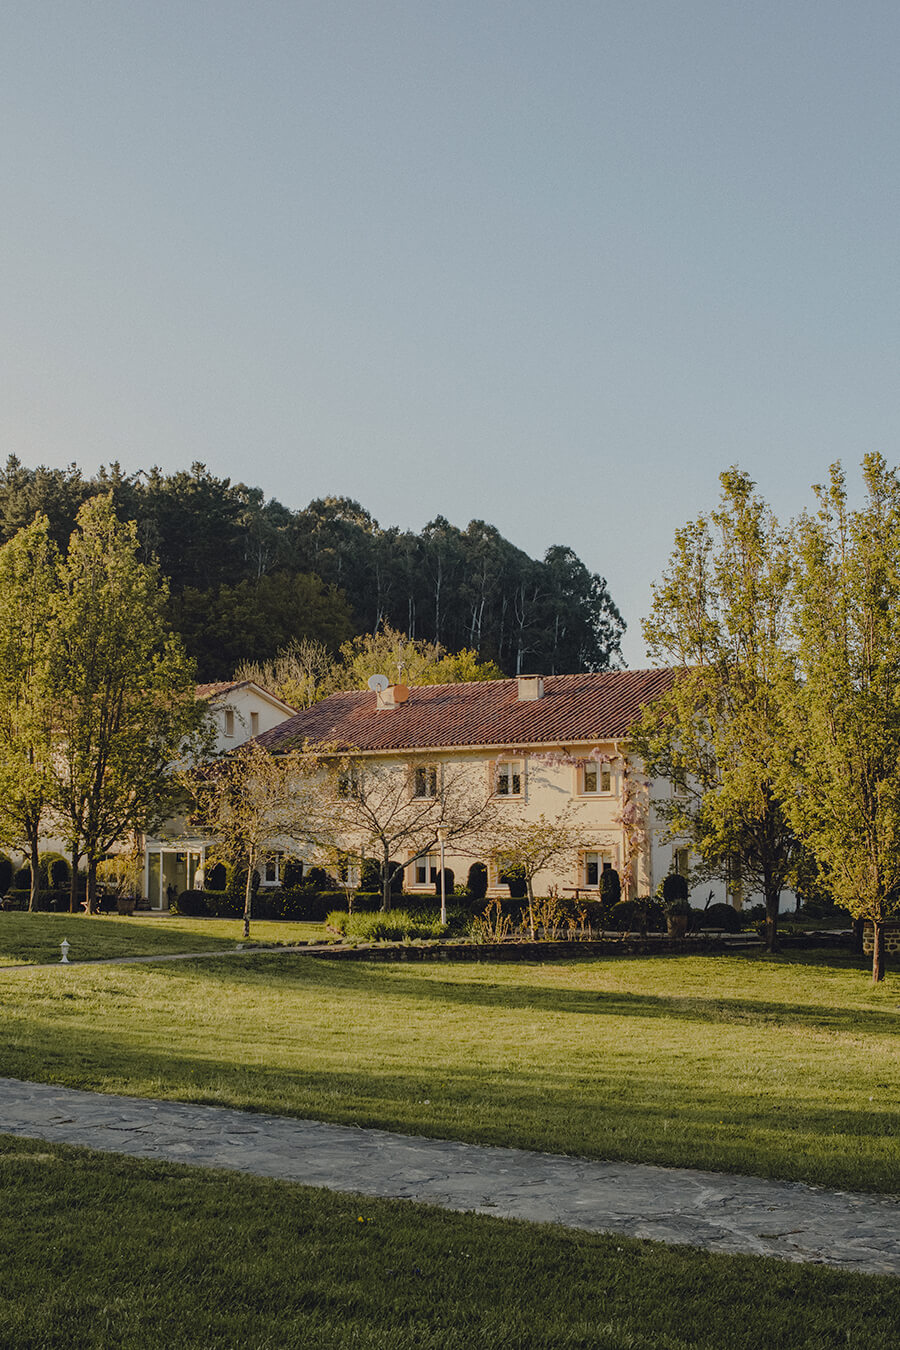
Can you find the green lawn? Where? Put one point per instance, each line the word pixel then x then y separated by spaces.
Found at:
pixel 783 1066
pixel 25 938
pixel 115 1254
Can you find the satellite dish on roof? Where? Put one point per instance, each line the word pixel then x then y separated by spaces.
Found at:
pixel 378 683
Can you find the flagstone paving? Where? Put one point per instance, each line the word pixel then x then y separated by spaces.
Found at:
pixel 714 1210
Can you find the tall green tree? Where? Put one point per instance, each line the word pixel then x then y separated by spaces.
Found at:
pixel 124 691
pixel 721 616
pixel 843 779
pixel 28 584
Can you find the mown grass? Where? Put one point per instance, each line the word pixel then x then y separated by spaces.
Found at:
pixel 784 1067
pixel 26 938
pixel 114 1254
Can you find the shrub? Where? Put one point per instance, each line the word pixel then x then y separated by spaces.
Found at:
pixel 391 927
pixel 477 881
pixel 6 873
pixel 22 878
pixel 370 875
pixel 292 873
pixel 514 878
pixel 303 905
pixel 816 909
pixel 610 888
pixel 675 894
pixel 317 879
pixel 237 884
pixel 720 916
pixel 448 882
pixel 644 913
pixel 224 904
pixel 218 877
pixel 192 904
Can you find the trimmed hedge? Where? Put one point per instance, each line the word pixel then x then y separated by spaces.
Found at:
pixel 629 915
pixel 720 916
pixel 191 903
pixel 477 881
pixel 296 904
pixel 49 902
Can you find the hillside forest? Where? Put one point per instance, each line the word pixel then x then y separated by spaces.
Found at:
pixel 250 577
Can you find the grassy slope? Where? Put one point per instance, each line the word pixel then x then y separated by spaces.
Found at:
pixel 36 937
pixel 115 1254
pixel 782 1067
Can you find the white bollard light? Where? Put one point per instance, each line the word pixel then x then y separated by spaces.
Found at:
pixel 65 952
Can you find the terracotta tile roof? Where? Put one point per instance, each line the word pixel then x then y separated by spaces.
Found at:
pixel 228 686
pixel 220 687
pixel 486 712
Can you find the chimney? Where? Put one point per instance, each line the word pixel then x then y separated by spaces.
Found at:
pixel 392 697
pixel 530 687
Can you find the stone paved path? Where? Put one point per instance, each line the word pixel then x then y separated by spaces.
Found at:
pixel 706 1209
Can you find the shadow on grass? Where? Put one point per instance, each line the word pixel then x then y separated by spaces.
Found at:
pixel 448 985
pixel 653 1110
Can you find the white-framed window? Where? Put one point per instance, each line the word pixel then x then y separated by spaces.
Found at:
pixel 254 724
pixel 593 864
pixel 681 861
pixel 509 778
pixel 349 783
pixel 229 721
pixel 594 778
pixel 349 871
pixel 425 780
pixel 679 783
pixel 271 869
pixel 425 870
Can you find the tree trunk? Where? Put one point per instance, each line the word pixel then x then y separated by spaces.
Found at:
pixel 73 880
pixel 773 900
pixel 91 891
pixel 386 879
pixel 530 909
pixel 35 891
pixel 248 893
pixel 877 952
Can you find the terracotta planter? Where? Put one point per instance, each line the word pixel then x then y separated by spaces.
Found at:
pixel 125 906
pixel 676 925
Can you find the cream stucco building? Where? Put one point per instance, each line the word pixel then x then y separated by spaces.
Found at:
pixel 538 746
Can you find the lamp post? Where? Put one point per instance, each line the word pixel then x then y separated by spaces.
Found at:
pixel 442 837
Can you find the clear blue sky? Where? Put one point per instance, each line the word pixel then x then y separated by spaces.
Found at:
pixel 552 265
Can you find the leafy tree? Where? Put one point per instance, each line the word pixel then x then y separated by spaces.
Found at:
pixel 124 701
pixel 27 493
pixel 218 541
pixel 407 661
pixel 302 674
pixel 257 619
pixel 721 617
pixel 28 585
pixel 251 803
pixel 843 779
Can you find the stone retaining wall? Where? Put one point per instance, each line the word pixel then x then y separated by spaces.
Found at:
pixel 891 936
pixel 519 951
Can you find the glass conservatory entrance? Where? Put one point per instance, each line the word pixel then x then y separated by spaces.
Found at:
pixel 171 871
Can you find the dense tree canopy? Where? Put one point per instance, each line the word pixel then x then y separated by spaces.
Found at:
pixel 248 576
pixel 721 617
